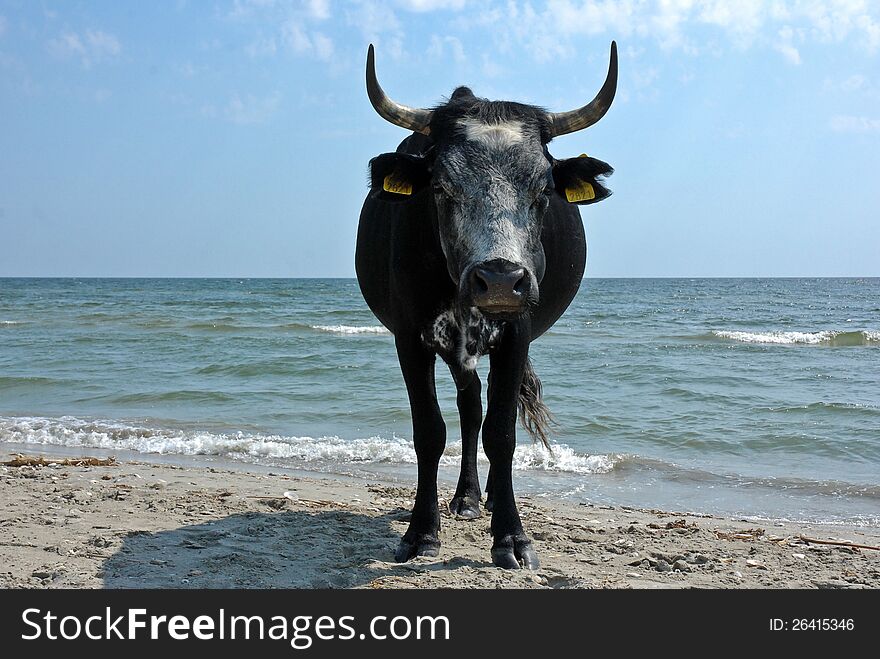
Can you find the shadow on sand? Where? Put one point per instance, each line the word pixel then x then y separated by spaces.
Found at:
pixel 297 549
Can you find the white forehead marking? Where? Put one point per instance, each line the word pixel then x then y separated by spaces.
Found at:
pixel 498 136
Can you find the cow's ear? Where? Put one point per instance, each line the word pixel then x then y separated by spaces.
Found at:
pixel 578 179
pixel 398 176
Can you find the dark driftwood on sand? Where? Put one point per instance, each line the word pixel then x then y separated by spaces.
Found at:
pixel 838 543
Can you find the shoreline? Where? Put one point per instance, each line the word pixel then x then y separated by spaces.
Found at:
pixel 140 524
pixel 621 487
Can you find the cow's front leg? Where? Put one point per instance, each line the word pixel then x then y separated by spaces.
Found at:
pixel 511 547
pixel 429 438
pixel 466 502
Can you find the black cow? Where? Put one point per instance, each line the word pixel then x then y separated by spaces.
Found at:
pixel 469 244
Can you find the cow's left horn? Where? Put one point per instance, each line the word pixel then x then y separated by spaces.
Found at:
pixel 562 123
pixel 400 115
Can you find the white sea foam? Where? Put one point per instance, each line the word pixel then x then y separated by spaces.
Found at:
pixel 10 322
pixel 352 329
pixel 807 338
pixel 563 459
pixel 74 432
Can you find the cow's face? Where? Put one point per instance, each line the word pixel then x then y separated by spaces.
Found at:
pixel 492 180
pixel 491 184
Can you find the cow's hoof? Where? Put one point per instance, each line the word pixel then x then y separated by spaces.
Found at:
pixel 422 547
pixel 489 504
pixel 520 555
pixel 465 506
pixel 527 556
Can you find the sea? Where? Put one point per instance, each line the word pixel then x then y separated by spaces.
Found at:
pixel 754 398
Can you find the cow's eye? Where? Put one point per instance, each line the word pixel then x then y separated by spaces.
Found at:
pixel 544 198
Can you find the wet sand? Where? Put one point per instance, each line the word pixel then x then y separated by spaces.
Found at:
pixel 142 525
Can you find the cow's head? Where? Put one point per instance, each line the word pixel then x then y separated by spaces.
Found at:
pixel 492 178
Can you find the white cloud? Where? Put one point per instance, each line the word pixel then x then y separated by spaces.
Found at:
pixel 379 25
pixel 556 29
pixel 90 48
pixel 295 37
pixel 103 43
pixel 553 29
pixel 261 47
pixel 250 109
pixel 491 68
pixel 856 84
pixel 851 124
pixel 319 9
pixel 853 83
pixel 373 18
pixel 785 46
pixel 741 20
pixel 247 8
pixel 68 44
pixel 323 46
pixel 284 27
pixel 645 78
pixel 302 41
pixel 440 45
pixel 431 5
pixel 188 69
pixel 243 10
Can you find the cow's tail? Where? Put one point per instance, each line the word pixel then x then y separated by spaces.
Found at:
pixel 534 415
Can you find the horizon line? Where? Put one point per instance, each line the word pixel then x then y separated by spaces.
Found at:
pixel 229 277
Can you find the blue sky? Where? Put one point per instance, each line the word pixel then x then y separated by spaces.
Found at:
pixel 222 138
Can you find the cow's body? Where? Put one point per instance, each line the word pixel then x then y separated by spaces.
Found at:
pixel 399 258
pixel 422 293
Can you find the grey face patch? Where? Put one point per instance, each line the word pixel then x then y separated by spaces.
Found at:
pixel 461 342
pixel 489 181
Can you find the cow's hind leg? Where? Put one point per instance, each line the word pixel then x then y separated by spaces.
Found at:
pixel 466 502
pixel 511 547
pixel 490 493
pixel 429 438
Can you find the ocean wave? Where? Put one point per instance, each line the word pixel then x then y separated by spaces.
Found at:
pixel 704 478
pixel 34 380
pixel 823 337
pixel 10 323
pixel 351 329
pixel 174 396
pixel 219 326
pixel 78 433
pixel 828 406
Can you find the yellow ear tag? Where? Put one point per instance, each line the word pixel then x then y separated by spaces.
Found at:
pixel 583 191
pixel 395 185
pixel 583 155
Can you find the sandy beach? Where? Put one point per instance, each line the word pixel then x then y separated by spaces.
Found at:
pixel 140 525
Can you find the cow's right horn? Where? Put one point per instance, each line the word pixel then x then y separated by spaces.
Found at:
pixel 415 119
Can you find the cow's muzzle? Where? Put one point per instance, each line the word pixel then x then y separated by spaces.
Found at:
pixel 498 287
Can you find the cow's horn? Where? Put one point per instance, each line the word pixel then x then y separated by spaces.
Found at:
pixel 562 123
pixel 399 115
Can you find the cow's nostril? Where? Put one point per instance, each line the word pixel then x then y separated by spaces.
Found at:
pixel 481 285
pixel 520 285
